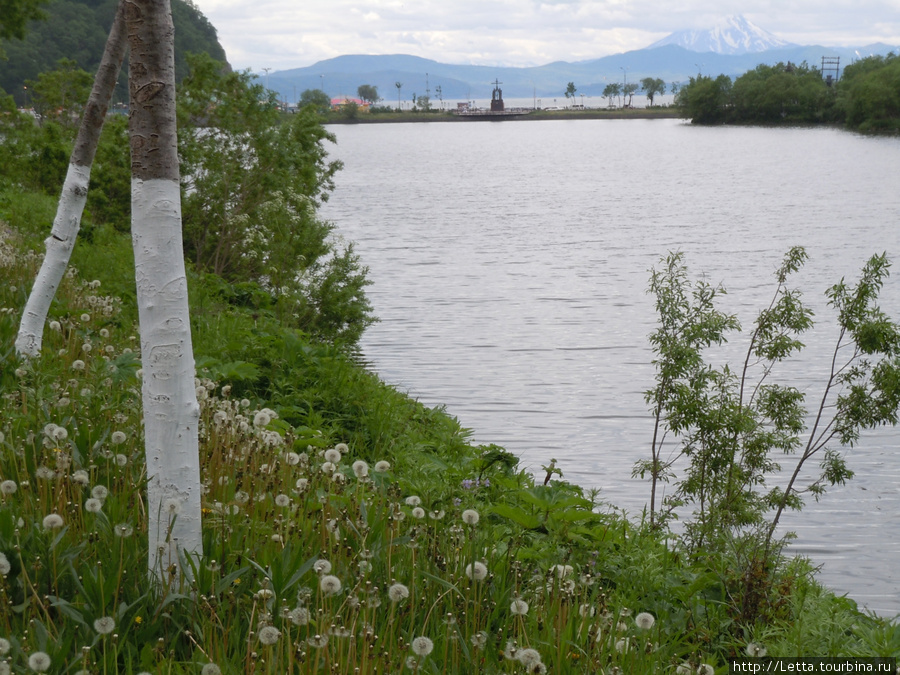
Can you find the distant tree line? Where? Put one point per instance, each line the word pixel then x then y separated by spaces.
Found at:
pixel 865 98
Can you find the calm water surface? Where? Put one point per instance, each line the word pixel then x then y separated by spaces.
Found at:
pixel 510 264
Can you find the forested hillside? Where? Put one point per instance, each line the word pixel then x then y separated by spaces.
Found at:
pixel 77 30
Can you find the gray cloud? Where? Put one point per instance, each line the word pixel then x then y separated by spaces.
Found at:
pixel 283 34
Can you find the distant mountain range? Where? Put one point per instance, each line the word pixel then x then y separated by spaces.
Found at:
pixel 732 47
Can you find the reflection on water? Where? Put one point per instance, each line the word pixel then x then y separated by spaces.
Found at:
pixel 510 264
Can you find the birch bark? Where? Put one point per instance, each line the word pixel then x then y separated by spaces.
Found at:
pixel 67 222
pixel 171 412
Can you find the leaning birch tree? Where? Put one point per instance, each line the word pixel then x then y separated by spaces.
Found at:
pixel 72 199
pixel 171 412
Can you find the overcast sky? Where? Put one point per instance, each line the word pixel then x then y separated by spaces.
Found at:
pixel 283 34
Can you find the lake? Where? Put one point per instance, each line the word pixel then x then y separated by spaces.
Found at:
pixel 510 263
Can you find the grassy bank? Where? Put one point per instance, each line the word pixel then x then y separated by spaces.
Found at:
pixel 348 528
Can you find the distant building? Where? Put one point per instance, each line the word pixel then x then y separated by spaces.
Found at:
pixel 337 104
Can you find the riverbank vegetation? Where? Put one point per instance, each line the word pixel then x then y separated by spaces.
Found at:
pixel 865 98
pixel 348 528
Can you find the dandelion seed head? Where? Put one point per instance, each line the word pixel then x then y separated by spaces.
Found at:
pixel 756 651
pixel 105 625
pixel 470 517
pixel 55 326
pixel 292 459
pixel 171 506
pixel 479 639
pixel 342 448
pixel 118 437
pixel 123 530
pixel 44 473
pixel 210 669
pixel 528 657
pixel 422 646
pixel 623 645
pixel 99 492
pixel 476 571
pixel 644 620
pixel 39 662
pixel 8 487
pixel 93 505
pixel 330 584
pixel 322 566
pixel 328 467
pixel 5 567
pixel 299 616
pixel 360 468
pixel 382 466
pixel 52 521
pixel 705 669
pixel 282 500
pixel 269 635
pixel 518 607
pixel 418 512
pixel 562 571
pixel 261 419
pixel 77 364
pixel 684 669
pixel 398 592
pixel 333 455
pixel 121 460
pixel 413 500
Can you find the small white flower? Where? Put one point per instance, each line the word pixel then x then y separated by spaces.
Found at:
pixel 422 646
pixel 470 517
pixel 105 625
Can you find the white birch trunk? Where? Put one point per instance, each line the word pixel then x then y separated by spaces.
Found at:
pixel 59 247
pixel 62 238
pixel 171 411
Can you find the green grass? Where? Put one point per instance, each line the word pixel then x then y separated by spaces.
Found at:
pixel 290 513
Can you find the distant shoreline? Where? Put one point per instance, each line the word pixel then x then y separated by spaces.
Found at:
pixel 424 117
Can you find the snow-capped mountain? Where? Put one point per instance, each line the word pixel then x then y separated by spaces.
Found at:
pixel 732 35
